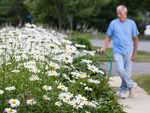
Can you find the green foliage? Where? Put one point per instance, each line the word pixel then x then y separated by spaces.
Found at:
pixel 81 40
pixel 37 73
pixel 26 89
pixel 143 81
pixel 64 12
pixel 13 12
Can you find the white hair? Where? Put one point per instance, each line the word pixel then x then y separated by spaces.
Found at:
pixel 123 8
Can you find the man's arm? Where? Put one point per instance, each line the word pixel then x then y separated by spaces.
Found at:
pixel 106 43
pixel 135 44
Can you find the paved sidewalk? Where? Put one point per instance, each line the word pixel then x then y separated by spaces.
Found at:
pixel 138 68
pixel 138 104
pixel 143 45
pixel 141 102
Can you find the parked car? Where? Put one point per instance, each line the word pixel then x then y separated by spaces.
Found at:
pixel 147 30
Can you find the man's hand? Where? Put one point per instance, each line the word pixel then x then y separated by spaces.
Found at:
pixel 135 41
pixel 101 51
pixel 134 57
pixel 106 42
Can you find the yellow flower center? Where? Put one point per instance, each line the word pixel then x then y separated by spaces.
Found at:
pixel 53 65
pixel 10 110
pixel 91 68
pixel 31 101
pixel 10 88
pixel 62 87
pixel 46 86
pixel 39 57
pixel 52 73
pixel 66 58
pixel 34 78
pixel 65 51
pixel 82 74
pixel 30 68
pixel 14 102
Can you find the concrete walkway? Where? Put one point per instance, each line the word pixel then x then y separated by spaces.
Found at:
pixel 138 104
pixel 143 45
pixel 138 68
pixel 141 102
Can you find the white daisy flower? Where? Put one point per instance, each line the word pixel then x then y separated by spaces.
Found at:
pixel 10 110
pixel 75 73
pixel 1 92
pixel 58 103
pixel 93 81
pixel 14 102
pixel 88 89
pixel 32 69
pixel 67 59
pixel 54 65
pixel 65 96
pixel 62 87
pixel 86 61
pixel 100 71
pixel 31 102
pixel 81 99
pixel 39 57
pixel 93 68
pixel 92 53
pixel 90 104
pixel 66 41
pixel 71 49
pixel 87 112
pixel 52 73
pixel 10 88
pixel 47 88
pixel 45 97
pixel 34 78
pixel 82 75
pixel 80 46
pixel 76 103
pixel 15 71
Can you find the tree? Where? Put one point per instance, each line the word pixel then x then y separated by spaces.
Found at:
pixel 65 11
pixel 13 11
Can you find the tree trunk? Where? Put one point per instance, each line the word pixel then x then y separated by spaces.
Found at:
pixel 59 9
pixel 70 20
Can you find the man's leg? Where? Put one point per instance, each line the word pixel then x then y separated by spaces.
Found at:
pixel 119 63
pixel 128 68
pixel 128 64
pixel 123 87
pixel 121 70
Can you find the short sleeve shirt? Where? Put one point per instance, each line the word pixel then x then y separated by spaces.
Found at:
pixel 123 34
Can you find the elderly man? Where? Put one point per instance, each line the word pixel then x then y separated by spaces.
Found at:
pixel 125 42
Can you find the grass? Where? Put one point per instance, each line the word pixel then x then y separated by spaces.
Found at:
pixel 143 81
pixel 102 35
pixel 144 37
pixel 98 35
pixel 142 56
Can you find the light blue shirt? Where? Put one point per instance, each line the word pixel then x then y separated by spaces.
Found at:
pixel 123 34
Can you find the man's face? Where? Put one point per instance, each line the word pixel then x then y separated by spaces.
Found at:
pixel 122 15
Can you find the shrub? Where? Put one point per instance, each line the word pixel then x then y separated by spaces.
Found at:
pixel 44 73
pixel 77 39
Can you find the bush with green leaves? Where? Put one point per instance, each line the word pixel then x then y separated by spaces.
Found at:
pixel 77 39
pixel 41 72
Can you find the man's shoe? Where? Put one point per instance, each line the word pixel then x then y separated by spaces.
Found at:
pixel 124 95
pixel 132 90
